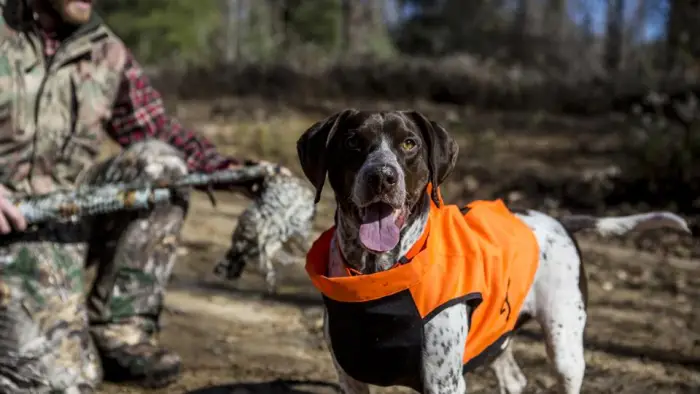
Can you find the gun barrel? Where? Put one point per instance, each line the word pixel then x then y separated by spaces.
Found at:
pixel 94 200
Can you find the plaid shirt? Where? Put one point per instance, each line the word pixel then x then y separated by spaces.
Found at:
pixel 139 113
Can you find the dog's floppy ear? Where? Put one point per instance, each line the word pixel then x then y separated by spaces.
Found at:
pixel 442 150
pixel 312 146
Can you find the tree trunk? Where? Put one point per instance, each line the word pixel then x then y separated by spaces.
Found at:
pixel 614 35
pixel 346 26
pixel 232 41
pixel 683 35
pixel 519 31
pixel 553 19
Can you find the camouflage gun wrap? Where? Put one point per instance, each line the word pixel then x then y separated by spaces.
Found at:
pixel 274 229
pixel 85 201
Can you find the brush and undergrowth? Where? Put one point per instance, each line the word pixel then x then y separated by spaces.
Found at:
pixel 608 164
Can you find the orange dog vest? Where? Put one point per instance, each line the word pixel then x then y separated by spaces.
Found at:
pixel 482 255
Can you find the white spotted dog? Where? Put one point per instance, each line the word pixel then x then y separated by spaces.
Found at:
pixel 417 293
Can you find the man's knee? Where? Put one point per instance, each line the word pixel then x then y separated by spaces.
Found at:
pixel 136 265
pixel 147 161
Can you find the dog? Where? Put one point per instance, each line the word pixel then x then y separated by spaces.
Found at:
pixel 385 169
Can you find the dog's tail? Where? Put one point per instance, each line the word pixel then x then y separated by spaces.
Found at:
pixel 620 225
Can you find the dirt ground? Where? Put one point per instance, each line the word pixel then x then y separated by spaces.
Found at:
pixel 643 333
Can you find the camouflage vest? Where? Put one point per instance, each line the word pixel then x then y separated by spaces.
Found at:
pixel 52 109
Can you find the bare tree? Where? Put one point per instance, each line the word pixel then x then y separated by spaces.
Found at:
pixel 519 29
pixel 683 35
pixel 615 24
pixel 346 25
pixel 363 25
pixel 638 23
pixel 636 55
pixel 233 30
pixel 554 18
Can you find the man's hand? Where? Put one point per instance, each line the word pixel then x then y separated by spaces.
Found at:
pixel 11 218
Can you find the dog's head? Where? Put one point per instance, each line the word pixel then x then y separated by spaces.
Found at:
pixel 379 165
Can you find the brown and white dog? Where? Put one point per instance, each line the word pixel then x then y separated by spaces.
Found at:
pixel 379 165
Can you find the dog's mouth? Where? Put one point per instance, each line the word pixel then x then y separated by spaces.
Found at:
pixel 380 226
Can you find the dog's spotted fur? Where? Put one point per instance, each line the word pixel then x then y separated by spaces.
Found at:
pixel 557 299
pixel 280 217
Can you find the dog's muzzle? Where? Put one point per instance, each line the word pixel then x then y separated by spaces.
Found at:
pixel 381 179
pixel 379 183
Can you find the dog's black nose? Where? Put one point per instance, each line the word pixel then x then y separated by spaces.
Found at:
pixel 383 178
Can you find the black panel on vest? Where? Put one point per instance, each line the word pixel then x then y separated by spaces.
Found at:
pixel 488 355
pixel 378 342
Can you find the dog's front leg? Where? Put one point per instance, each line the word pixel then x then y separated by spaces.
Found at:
pixel 443 351
pixel 348 385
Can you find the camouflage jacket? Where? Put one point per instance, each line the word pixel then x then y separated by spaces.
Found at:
pixel 73 91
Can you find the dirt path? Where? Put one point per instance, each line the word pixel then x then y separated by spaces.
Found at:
pixel 643 333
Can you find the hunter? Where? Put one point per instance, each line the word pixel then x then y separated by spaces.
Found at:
pixel 67 84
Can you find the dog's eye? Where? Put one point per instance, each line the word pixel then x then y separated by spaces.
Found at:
pixel 408 144
pixel 351 142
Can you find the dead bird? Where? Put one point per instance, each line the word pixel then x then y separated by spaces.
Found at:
pixel 275 226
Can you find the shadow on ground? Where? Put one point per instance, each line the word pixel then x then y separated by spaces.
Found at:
pixel 272 387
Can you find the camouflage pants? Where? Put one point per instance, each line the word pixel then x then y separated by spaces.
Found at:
pixel 49 327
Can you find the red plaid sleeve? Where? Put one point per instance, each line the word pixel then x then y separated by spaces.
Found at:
pixel 139 114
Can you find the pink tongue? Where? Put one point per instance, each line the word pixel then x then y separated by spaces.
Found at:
pixel 378 231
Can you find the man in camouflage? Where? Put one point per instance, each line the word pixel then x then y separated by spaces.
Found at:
pixel 66 84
